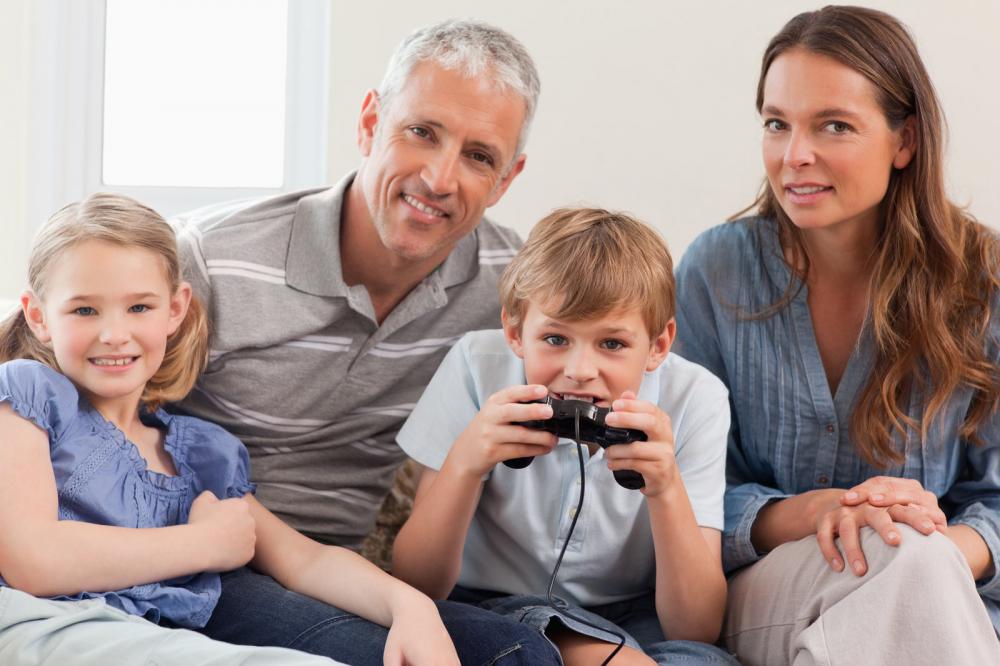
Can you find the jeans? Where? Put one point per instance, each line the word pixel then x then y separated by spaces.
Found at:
pixel 635 618
pixel 255 610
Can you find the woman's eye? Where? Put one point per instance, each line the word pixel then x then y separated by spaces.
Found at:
pixel 554 340
pixel 85 311
pixel 838 127
pixel 613 345
pixel 139 308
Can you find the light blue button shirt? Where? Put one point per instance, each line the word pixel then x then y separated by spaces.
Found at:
pixel 523 516
pixel 789 433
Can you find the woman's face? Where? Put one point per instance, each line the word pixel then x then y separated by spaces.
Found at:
pixel 828 149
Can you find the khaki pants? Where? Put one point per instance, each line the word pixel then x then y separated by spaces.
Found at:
pixel 35 632
pixel 916 605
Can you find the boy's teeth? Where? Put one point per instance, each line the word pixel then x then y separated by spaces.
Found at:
pixel 112 361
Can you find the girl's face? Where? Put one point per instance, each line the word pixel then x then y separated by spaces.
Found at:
pixel 828 149
pixel 107 314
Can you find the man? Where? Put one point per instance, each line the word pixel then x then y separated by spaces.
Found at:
pixel 332 308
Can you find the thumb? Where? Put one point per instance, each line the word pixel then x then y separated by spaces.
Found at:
pixel 207 496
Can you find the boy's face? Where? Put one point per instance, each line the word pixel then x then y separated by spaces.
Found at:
pixel 595 360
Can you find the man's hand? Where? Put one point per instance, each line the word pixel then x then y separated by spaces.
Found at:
pixel 491 437
pixel 654 458
pixel 229 530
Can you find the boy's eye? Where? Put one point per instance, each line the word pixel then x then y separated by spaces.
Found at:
pixel 139 307
pixel 85 311
pixel 554 340
pixel 613 345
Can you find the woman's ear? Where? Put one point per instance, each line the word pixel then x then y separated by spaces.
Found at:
pixel 660 346
pixel 179 303
pixel 908 143
pixel 34 316
pixel 512 334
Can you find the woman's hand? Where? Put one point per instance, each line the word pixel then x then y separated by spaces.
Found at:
pixel 886 491
pixel 418 637
pixel 846 522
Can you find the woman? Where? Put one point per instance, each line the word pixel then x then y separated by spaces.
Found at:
pixel 854 322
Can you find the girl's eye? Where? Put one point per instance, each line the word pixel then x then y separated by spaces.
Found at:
pixel 774 125
pixel 139 308
pixel 85 311
pixel 554 340
pixel 613 345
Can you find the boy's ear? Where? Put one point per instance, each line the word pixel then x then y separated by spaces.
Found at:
pixel 512 334
pixel 34 316
pixel 660 346
pixel 179 303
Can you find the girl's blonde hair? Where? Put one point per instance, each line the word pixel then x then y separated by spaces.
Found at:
pixel 122 221
pixel 596 262
pixel 936 271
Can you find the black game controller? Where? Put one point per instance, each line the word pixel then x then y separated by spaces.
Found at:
pixel 592 431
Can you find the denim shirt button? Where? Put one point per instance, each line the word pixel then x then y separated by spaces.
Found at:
pixel 830 428
pixel 822 479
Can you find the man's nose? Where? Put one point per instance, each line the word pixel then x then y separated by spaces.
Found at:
pixel 440 173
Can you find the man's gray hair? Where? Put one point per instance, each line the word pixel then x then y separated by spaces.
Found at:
pixel 473 48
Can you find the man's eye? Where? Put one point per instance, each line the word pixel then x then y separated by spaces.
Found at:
pixel 139 307
pixel 774 125
pixel 85 311
pixel 482 158
pixel 554 340
pixel 613 345
pixel 421 132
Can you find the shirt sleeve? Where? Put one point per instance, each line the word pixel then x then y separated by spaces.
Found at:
pixel 699 340
pixel 191 254
pixel 975 499
pixel 444 410
pixel 220 460
pixel 41 395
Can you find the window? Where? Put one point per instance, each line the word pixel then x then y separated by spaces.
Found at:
pixel 179 103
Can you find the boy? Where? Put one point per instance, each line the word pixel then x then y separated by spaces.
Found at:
pixel 588 309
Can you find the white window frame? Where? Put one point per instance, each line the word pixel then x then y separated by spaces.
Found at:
pixel 67 123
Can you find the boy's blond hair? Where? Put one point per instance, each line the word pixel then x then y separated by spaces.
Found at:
pixel 586 262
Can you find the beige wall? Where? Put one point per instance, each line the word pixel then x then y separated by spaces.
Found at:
pixel 14 86
pixel 646 106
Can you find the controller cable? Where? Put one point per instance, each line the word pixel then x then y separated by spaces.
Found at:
pixel 555 602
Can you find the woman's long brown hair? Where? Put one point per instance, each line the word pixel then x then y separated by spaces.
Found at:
pixel 935 273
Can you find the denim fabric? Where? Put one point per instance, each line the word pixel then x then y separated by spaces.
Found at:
pixel 256 610
pixel 789 433
pixel 101 478
pixel 635 619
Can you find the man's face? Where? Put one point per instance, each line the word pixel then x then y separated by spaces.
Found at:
pixel 440 153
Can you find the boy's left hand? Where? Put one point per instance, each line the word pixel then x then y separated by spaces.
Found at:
pixel 654 458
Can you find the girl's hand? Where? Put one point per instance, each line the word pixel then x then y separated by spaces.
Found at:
pixel 418 637
pixel 846 522
pixel 654 458
pixel 491 437
pixel 229 528
pixel 885 491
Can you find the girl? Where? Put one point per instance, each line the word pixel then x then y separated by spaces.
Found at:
pixel 111 507
pixel 854 320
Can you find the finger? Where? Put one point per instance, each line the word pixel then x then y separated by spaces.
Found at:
pixel 882 522
pixel 912 516
pixel 825 535
pixel 518 393
pixel 648 421
pixel 850 542
pixel 514 435
pixel 516 412
pixel 207 496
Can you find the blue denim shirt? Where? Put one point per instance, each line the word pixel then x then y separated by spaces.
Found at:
pixel 789 434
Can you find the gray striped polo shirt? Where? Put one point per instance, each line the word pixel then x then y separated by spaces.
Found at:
pixel 300 370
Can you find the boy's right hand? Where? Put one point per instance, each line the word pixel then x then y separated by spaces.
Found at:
pixel 492 436
pixel 229 530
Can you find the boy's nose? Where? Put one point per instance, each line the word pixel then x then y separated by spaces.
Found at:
pixel 580 367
